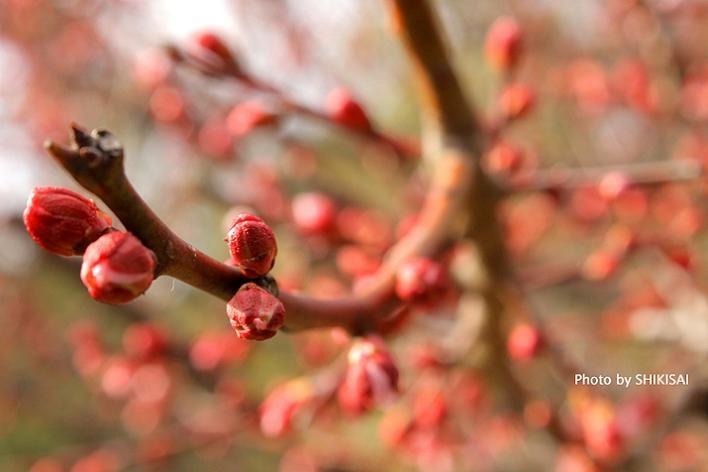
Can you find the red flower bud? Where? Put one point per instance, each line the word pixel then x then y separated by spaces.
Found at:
pixel 524 342
pixel 282 403
pixel 515 101
pixel 371 377
pixel 212 54
pixel 62 221
pixel 343 109
pixel 421 281
pixel 117 268
pixel 252 245
pixel 314 213
pixel 613 185
pixel 144 341
pixel 504 160
pixel 503 43
pixel 601 264
pixel 255 313
pixel 247 116
pixel 429 407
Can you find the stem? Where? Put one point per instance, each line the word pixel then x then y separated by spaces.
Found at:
pixel 641 173
pixel 99 168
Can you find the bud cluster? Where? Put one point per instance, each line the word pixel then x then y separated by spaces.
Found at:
pixel 116 268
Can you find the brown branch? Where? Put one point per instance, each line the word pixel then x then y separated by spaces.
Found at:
pixel 96 162
pixel 402 150
pixel 641 174
pixel 447 112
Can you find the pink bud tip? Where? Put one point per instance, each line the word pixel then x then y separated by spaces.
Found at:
pixel 252 245
pixel 345 110
pixel 117 268
pixel 255 313
pixel 62 221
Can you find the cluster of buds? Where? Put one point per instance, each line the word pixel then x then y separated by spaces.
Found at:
pixel 371 378
pixel 253 311
pixel 117 268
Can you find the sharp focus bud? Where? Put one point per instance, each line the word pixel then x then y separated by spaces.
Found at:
pixel 252 245
pixel 117 268
pixel 371 377
pixel 255 313
pixel 62 221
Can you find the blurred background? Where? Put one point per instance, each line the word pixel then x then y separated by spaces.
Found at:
pixel 619 86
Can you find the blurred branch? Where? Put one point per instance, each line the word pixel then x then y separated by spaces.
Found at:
pixel 641 174
pixel 403 149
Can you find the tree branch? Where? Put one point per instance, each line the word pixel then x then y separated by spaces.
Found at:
pixel 96 162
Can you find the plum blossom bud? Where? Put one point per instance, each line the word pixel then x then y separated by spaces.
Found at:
pixel 144 341
pixel 371 377
pixel 117 268
pixel 314 213
pixel 212 55
pixel 252 245
pixel 430 406
pixel 282 403
pixel 503 43
pixel 421 281
pixel 515 101
pixel 601 264
pixel 62 221
pixel 247 116
pixel 255 313
pixel 613 185
pixel 504 160
pixel 345 110
pixel 524 342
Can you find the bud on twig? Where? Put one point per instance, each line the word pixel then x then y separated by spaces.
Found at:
pixel 252 245
pixel 255 313
pixel 117 268
pixel 62 221
pixel 371 377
